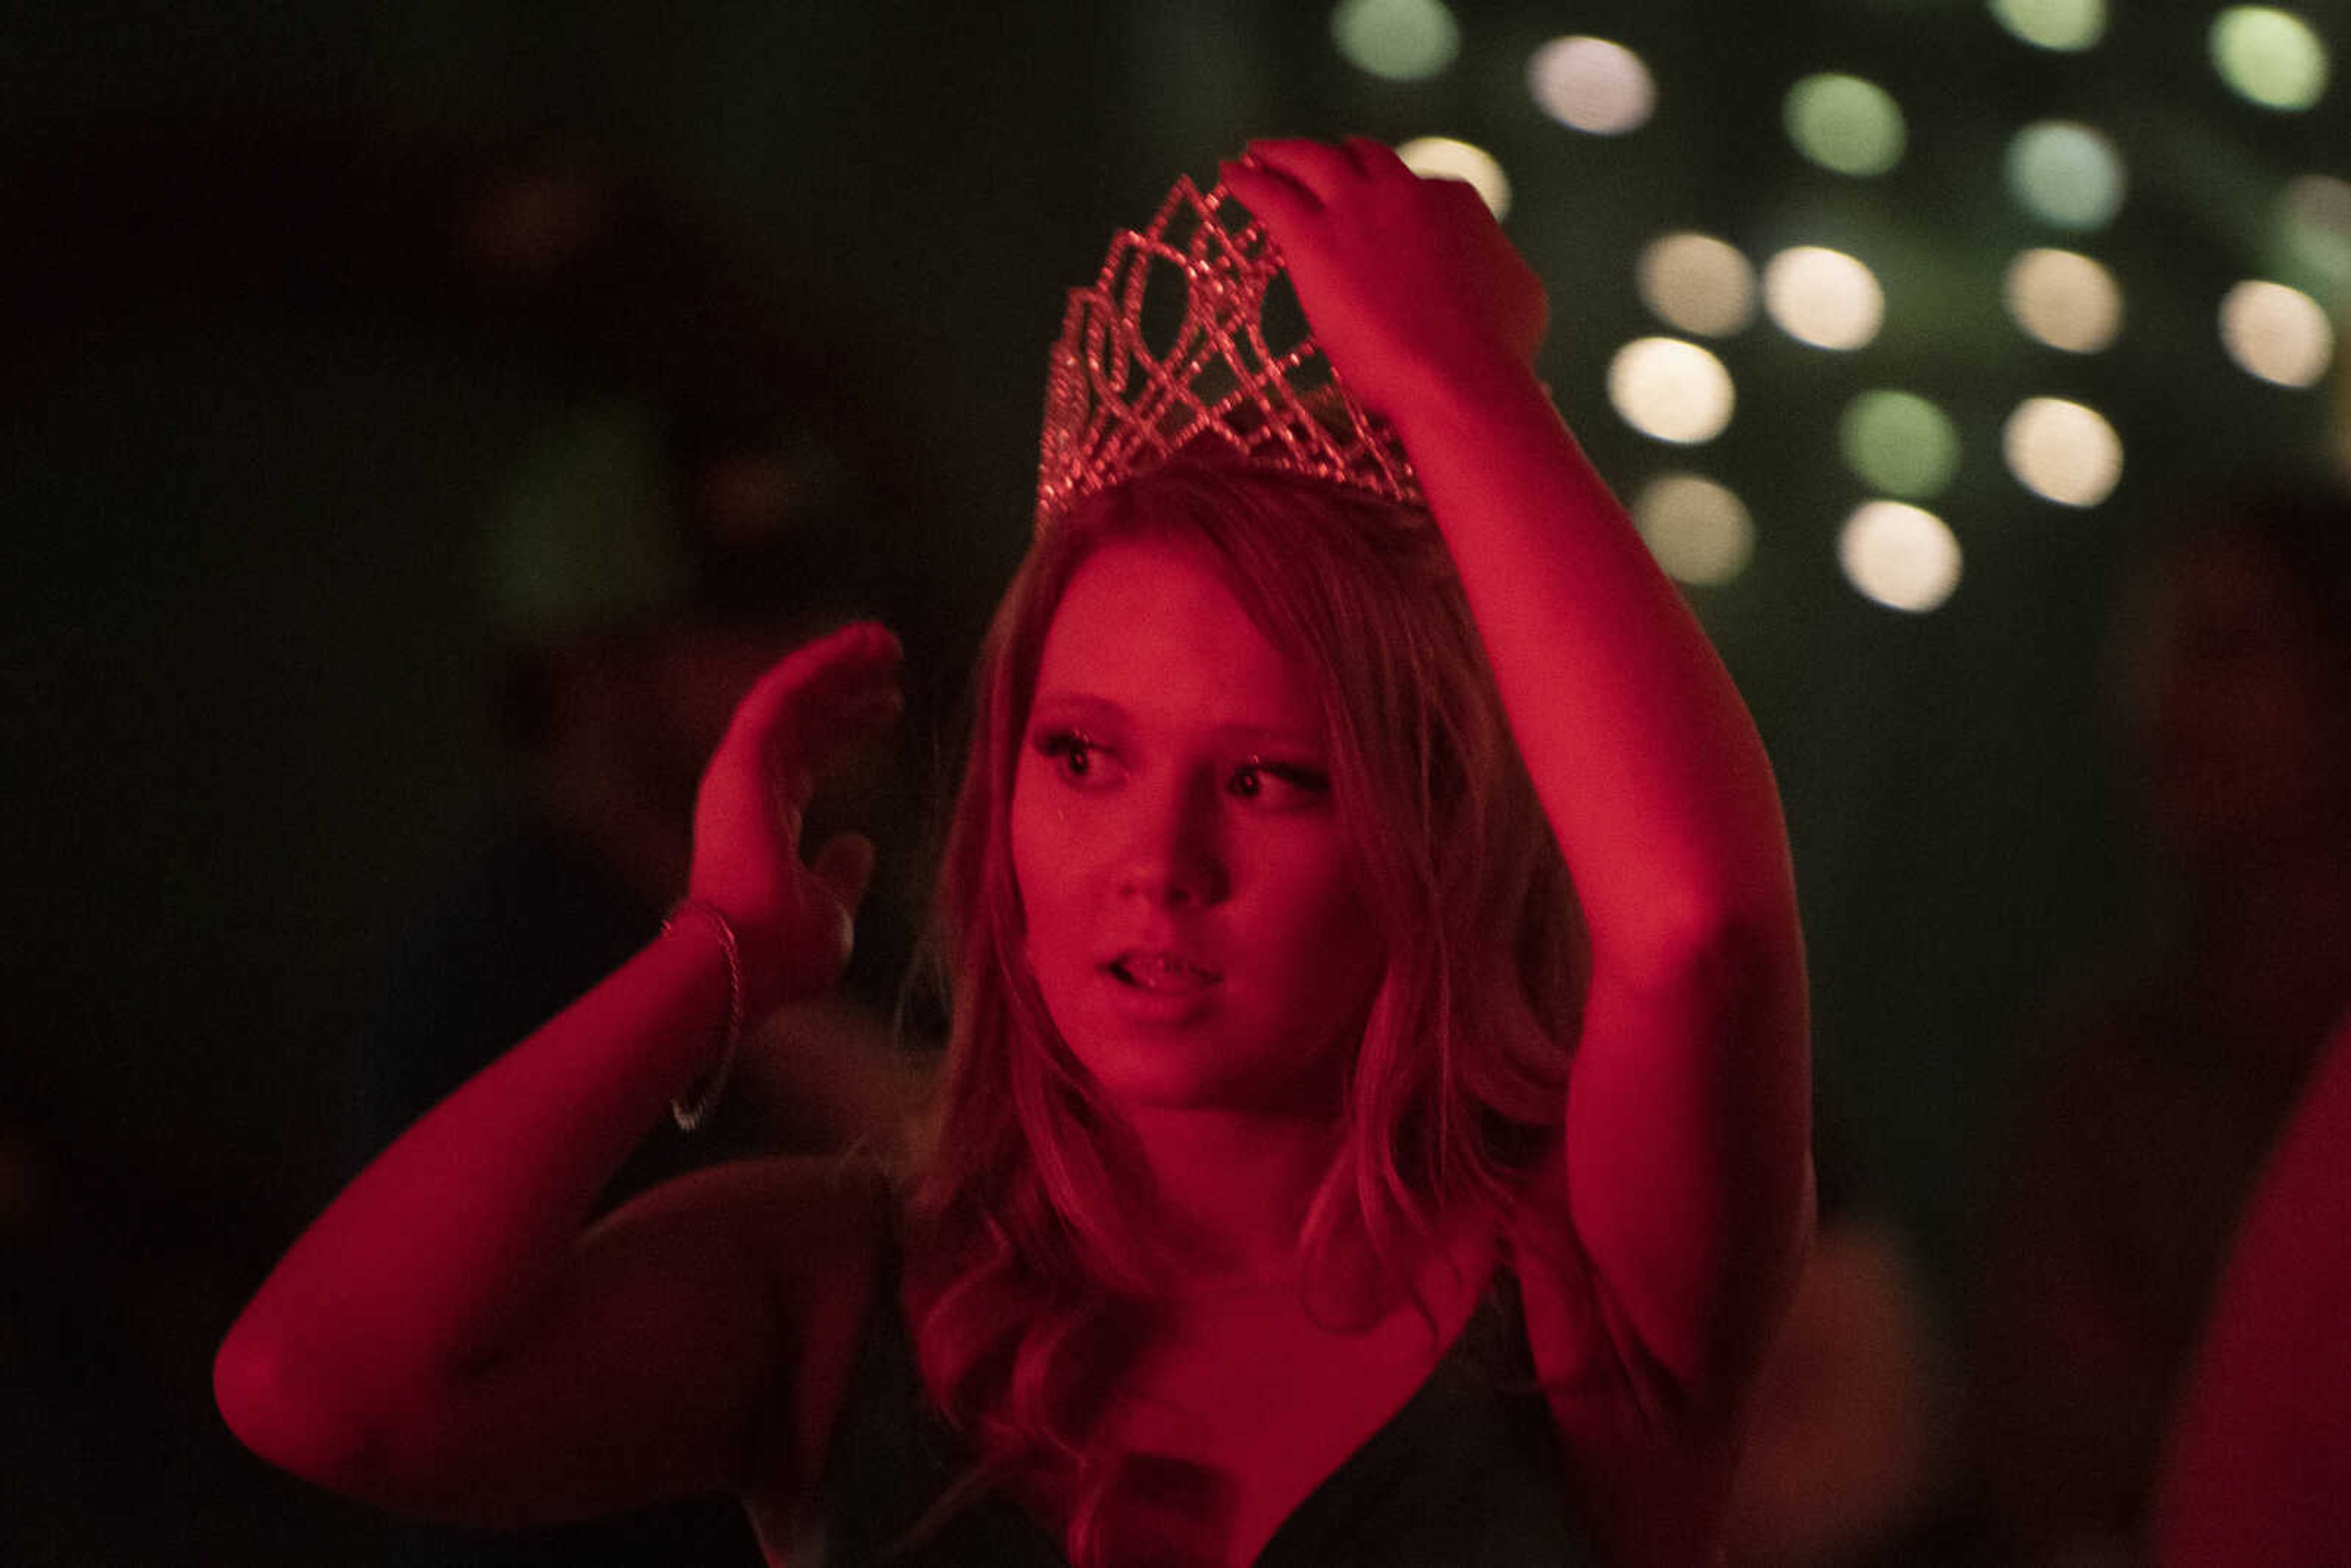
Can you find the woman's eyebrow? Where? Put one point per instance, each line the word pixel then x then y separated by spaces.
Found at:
pixel 1062 703
pixel 1077 705
pixel 1270 734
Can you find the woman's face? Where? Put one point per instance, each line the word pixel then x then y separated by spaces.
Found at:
pixel 1193 915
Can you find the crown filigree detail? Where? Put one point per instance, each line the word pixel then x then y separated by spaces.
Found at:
pixel 1124 394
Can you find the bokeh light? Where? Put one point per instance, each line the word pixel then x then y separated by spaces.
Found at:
pixel 1443 157
pixel 1671 390
pixel 2277 333
pixel 2064 24
pixel 1699 531
pixel 1844 124
pixel 1899 556
pixel 1696 283
pixel 1592 85
pixel 2066 174
pixel 2063 451
pixel 1402 40
pixel 2270 57
pixel 1899 442
pixel 1824 297
pixel 2064 299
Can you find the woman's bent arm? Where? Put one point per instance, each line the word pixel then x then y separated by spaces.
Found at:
pixel 1683 1195
pixel 459 1249
pixel 1688 1112
pixel 444 1337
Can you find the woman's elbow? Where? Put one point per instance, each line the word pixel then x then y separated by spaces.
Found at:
pixel 1710 954
pixel 294 1416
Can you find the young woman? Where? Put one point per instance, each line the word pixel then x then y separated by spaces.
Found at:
pixel 1375 1119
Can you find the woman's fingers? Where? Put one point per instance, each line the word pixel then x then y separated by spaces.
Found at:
pixel 795 917
pixel 821 698
pixel 817 721
pixel 855 654
pixel 1273 199
pixel 1322 169
pixel 1376 159
pixel 799 709
pixel 1405 280
pixel 809 734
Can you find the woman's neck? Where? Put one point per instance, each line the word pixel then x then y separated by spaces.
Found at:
pixel 1233 1187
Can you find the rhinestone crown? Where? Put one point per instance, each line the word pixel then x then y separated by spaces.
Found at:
pixel 1124 395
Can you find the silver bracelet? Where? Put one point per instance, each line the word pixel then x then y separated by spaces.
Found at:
pixel 689 1111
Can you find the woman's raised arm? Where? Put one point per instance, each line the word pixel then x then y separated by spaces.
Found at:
pixel 446 1339
pixel 1686 1152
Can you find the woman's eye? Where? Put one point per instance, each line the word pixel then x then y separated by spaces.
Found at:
pixel 1279 783
pixel 1074 757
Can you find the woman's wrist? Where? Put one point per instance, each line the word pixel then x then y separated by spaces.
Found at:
pixel 1472 394
pixel 702 922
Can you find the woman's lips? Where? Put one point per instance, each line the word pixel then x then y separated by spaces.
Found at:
pixel 1161 971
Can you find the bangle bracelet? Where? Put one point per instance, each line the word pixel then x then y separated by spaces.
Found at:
pixel 689 1111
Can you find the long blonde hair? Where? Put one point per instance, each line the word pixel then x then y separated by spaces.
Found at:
pixel 1028 1239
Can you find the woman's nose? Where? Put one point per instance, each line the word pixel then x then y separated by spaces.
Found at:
pixel 1174 859
pixel 1171 883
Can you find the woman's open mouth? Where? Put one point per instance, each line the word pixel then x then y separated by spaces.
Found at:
pixel 1165 973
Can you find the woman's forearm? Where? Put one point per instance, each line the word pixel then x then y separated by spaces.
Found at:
pixel 1689 1112
pixel 438 1254
pixel 1640 749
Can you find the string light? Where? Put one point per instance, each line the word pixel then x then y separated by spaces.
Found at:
pixel 1696 283
pixel 1900 556
pixel 1823 296
pixel 2065 25
pixel 2276 333
pixel 2063 451
pixel 1402 40
pixel 1845 124
pixel 2064 299
pixel 1671 390
pixel 1699 531
pixel 1592 85
pixel 2269 57
pixel 2067 174
pixel 1899 442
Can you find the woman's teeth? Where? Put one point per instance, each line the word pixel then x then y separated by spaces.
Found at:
pixel 1161 972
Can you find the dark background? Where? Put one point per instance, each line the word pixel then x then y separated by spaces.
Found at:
pixel 273 346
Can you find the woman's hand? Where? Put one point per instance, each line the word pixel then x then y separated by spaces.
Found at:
pixel 794 920
pixel 1402 278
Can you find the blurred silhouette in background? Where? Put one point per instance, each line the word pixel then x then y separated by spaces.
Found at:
pixel 2258 1464
pixel 1851 1459
pixel 2116 1211
pixel 262 369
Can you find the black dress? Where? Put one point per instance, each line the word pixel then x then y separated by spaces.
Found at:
pixel 1466 1474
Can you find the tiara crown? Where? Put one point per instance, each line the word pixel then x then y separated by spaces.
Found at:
pixel 1122 396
